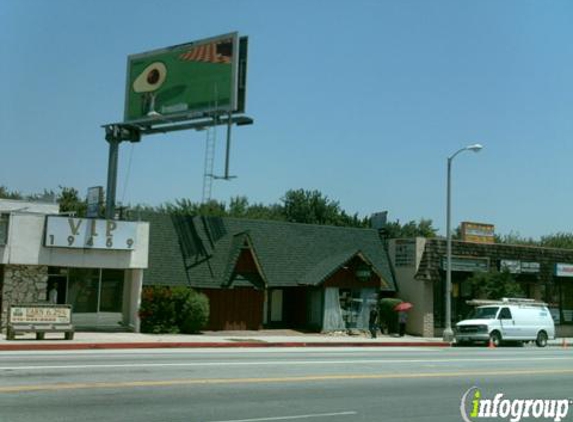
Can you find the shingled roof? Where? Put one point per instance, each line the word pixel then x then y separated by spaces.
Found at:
pixel 436 250
pixel 202 251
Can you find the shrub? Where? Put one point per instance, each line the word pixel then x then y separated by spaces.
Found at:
pixel 157 310
pixel 193 313
pixel 388 316
pixel 172 310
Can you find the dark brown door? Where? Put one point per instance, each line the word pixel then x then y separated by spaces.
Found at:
pixel 239 308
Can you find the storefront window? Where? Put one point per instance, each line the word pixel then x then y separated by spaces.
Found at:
pixel 350 306
pixel 95 290
pixel 355 306
pixel 58 280
pixel 567 301
pixel 552 299
pixel 83 286
pixel 111 291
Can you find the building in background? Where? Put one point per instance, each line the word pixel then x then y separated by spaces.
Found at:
pixel 544 274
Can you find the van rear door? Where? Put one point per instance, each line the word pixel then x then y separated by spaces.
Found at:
pixel 507 323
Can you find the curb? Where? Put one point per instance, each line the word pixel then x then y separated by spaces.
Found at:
pixel 172 345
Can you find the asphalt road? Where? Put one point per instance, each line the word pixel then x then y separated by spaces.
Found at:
pixel 231 385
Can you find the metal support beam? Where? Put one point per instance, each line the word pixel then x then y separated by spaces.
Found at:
pixel 113 138
pixel 115 133
pixel 228 152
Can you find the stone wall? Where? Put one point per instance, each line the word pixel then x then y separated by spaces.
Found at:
pixel 23 284
pixel 428 325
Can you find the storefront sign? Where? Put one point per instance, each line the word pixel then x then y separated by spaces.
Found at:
pixel 530 267
pixel 29 314
pixel 467 264
pixel 514 267
pixel 478 232
pixel 405 253
pixel 564 270
pixel 519 267
pixel 87 233
pixel 95 200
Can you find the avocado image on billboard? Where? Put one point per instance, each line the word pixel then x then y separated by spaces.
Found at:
pixel 184 81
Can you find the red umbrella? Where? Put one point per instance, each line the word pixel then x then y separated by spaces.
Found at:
pixel 404 306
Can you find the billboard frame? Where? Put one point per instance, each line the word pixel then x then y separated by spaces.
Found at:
pixel 237 87
pixel 133 130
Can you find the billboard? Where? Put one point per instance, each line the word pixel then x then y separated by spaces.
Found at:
pixel 478 232
pixel 187 81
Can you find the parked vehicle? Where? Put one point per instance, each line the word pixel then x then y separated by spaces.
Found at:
pixel 507 320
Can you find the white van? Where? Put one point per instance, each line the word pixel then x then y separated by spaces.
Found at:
pixel 507 320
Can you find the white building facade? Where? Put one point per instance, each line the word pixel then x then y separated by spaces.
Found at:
pixel 94 265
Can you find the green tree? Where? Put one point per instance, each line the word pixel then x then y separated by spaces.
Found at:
pixel 240 207
pixel 70 201
pixel 5 193
pixel 561 240
pixel 557 240
pixel 495 285
pixel 312 207
pixel 45 196
pixel 423 228
pixel 297 206
pixel 514 238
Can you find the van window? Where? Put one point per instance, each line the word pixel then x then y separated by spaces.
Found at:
pixel 505 314
pixel 484 313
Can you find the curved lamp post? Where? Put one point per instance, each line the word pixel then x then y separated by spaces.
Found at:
pixel 448 334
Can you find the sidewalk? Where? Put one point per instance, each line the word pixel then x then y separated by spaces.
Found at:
pixel 216 339
pixel 223 339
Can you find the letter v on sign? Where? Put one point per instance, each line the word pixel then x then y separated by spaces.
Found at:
pixel 74 228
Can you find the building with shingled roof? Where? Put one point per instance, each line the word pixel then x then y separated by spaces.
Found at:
pixel 259 273
pixel 544 274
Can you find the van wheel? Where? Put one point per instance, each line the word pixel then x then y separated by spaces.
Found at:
pixel 495 338
pixel 541 340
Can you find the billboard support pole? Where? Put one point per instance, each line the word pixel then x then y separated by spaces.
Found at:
pixel 114 139
pixel 115 133
pixel 227 155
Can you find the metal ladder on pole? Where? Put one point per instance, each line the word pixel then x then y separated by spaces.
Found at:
pixel 208 176
pixel 210 141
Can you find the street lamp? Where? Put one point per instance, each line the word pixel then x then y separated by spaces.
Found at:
pixel 448 334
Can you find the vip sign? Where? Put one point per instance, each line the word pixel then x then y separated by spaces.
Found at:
pixel 90 233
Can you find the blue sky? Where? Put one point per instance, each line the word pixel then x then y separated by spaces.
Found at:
pixel 362 100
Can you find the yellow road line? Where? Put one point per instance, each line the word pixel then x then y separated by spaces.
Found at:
pixel 206 381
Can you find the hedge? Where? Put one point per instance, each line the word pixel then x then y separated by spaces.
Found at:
pixel 172 310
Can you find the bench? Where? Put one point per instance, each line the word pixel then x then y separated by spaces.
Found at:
pixel 40 329
pixel 39 319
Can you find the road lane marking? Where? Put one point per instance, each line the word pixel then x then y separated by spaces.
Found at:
pixel 214 381
pixel 284 418
pixel 5 354
pixel 274 363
